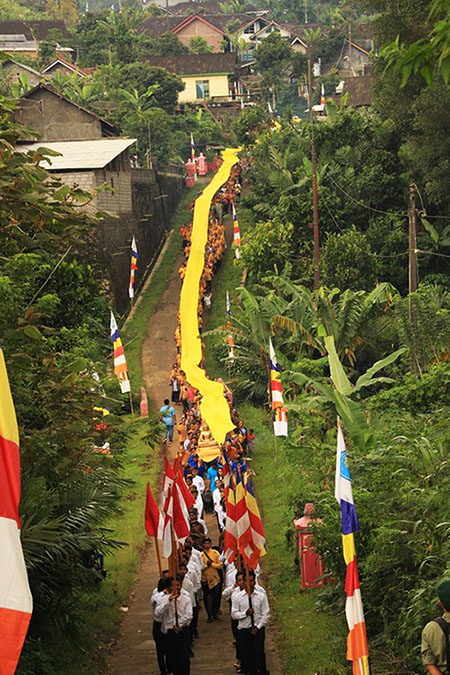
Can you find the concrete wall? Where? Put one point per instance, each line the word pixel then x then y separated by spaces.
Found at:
pixel 197 28
pixel 218 86
pixel 155 198
pixel 119 201
pixel 57 119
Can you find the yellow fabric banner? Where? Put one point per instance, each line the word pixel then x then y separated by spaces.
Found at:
pixel 214 407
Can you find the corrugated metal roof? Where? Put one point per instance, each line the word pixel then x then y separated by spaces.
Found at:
pixel 78 155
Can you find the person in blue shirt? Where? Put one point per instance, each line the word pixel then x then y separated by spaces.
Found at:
pixel 211 476
pixel 168 417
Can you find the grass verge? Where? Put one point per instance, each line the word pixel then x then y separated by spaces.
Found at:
pixel 310 642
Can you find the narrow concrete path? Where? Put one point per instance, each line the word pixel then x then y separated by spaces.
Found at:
pixel 134 652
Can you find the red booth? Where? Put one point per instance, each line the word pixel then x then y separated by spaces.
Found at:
pixel 311 566
pixel 190 173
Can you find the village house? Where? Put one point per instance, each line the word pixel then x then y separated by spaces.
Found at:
pixel 353 61
pixel 207 77
pixel 211 29
pixel 13 71
pixel 60 65
pixel 56 118
pixel 23 37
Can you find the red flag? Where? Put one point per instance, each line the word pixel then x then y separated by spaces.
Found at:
pixel 180 521
pixel 186 494
pixel 152 514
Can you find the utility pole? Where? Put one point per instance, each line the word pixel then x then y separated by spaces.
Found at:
pixel 314 182
pixel 412 277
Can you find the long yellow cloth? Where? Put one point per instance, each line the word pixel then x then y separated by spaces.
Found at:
pixel 214 408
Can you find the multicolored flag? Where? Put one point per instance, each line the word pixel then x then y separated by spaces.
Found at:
pixel 120 364
pixel 258 535
pixel 16 603
pixel 133 267
pixel 236 233
pixel 192 148
pixel 357 649
pixel 322 97
pixel 243 528
pixel 280 423
pixel 230 335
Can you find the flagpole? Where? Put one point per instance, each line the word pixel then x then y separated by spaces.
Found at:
pixel 158 555
pixel 131 404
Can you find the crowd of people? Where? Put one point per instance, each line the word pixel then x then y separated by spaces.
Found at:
pixel 204 576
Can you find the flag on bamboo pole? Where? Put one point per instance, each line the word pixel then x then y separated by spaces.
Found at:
pixel 243 528
pixel 269 108
pixel 152 514
pixel 236 233
pixel 258 535
pixel 280 423
pixel 133 267
pixel 192 147
pixel 230 546
pixel 165 523
pixel 180 518
pixel 230 335
pixel 357 649
pixel 322 97
pixel 120 364
pixel 16 602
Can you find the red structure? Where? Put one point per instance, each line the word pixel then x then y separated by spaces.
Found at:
pixel 202 166
pixel 190 171
pixel 311 566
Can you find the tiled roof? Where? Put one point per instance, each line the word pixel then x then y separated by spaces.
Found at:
pixel 359 90
pixel 33 28
pixel 196 64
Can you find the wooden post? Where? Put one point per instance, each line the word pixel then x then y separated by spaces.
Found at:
pixel 314 182
pixel 158 556
pixel 412 275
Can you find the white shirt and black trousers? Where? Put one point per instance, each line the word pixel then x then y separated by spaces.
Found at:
pixel 158 637
pixel 176 617
pixel 251 647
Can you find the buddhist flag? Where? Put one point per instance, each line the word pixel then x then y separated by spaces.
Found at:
pixel 16 603
pixel 192 148
pixel 243 528
pixel 120 364
pixel 133 267
pixel 230 335
pixel 357 649
pixel 322 97
pixel 258 536
pixel 236 232
pixel 280 424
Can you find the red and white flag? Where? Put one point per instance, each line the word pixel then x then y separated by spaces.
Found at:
pixel 16 603
pixel 153 515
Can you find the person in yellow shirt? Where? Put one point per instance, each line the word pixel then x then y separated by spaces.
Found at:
pixel 211 580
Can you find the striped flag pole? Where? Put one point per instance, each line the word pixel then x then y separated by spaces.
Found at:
pixel 16 603
pixel 280 423
pixel 230 336
pixel 193 155
pixel 236 233
pixel 133 268
pixel 120 363
pixel 357 648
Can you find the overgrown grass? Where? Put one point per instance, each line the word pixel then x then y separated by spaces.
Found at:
pixel 309 641
pixel 136 329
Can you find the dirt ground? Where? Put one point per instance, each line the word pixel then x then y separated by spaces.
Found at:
pixel 134 652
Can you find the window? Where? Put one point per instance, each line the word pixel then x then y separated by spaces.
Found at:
pixel 250 29
pixel 202 88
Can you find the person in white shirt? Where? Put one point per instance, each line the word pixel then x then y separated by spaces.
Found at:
pixel 236 586
pixel 198 501
pixel 251 610
pixel 174 611
pixel 193 573
pixel 198 481
pixel 158 637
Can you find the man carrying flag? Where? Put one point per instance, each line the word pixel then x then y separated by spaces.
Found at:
pixel 120 363
pixel 16 603
pixel 133 267
pixel 357 649
pixel 280 424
